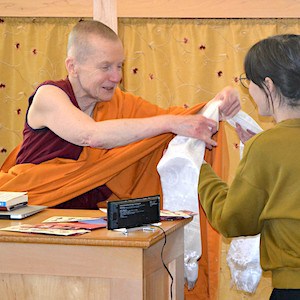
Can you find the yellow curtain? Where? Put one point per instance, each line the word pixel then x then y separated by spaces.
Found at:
pixel 32 51
pixel 168 61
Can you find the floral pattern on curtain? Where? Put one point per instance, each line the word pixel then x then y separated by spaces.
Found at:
pixel 168 62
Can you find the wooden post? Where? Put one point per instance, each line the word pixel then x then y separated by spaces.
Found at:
pixel 105 11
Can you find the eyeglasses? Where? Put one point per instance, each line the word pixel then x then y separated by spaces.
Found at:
pixel 245 82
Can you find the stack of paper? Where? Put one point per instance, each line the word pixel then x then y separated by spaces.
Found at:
pixel 58 225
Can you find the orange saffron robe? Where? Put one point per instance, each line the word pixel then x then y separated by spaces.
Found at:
pixel 128 171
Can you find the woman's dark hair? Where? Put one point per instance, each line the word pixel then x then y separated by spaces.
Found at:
pixel 276 57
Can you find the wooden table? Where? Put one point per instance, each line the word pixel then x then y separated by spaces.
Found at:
pixel 102 264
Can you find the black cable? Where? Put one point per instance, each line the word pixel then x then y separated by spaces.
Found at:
pixel 161 255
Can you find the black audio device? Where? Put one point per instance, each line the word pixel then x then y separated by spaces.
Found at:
pixel 133 212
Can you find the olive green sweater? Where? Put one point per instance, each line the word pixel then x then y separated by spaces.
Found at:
pixel 264 197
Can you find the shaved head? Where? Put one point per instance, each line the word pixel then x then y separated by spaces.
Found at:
pixel 79 42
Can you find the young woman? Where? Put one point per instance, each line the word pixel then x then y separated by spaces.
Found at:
pixel 264 196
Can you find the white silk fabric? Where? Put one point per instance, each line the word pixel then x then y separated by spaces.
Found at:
pixel 179 170
pixel 243 255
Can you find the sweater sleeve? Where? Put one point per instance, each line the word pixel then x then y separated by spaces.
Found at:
pixel 233 211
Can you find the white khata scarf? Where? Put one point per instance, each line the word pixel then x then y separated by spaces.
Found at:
pixel 179 171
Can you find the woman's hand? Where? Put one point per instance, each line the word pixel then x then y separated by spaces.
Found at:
pixel 244 135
